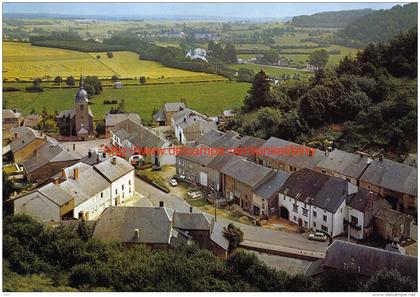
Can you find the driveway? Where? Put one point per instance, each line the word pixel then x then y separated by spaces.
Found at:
pixel 82 147
pixel 251 233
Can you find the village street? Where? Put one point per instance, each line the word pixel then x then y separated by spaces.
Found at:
pixel 251 233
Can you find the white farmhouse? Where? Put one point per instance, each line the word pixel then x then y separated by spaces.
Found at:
pixel 198 53
pixel 316 201
pixel 80 191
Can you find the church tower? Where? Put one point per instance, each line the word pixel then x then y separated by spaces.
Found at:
pixel 83 114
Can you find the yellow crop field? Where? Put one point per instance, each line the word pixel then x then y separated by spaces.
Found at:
pixel 128 65
pixel 23 61
pixel 26 62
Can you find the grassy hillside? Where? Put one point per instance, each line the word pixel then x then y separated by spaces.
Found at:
pixel 272 70
pixel 24 61
pixel 209 98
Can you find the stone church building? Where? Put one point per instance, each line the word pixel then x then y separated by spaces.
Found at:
pixel 80 117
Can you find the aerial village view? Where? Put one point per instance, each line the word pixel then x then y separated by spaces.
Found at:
pixel 209 147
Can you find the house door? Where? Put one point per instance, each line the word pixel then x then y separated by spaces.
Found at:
pixel 284 213
pixel 256 210
pixel 203 178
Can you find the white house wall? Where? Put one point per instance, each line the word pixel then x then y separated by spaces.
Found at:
pixel 123 187
pixel 94 205
pixel 334 222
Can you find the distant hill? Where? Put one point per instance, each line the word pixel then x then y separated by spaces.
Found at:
pixel 379 26
pixel 331 19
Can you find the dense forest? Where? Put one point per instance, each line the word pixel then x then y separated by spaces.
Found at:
pixel 66 258
pixel 379 26
pixel 368 102
pixel 330 19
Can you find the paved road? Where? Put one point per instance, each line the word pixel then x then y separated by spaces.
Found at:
pixel 251 233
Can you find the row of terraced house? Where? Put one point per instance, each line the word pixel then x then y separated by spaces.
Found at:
pixel 332 191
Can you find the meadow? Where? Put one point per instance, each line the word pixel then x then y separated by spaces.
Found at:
pixel 210 98
pixel 26 62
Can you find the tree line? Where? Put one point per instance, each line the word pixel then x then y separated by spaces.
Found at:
pixel 361 93
pixel 69 259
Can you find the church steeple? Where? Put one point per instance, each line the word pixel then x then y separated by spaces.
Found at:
pixel 82 95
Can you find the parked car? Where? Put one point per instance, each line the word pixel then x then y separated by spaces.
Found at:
pixel 173 182
pixel 319 236
pixel 195 194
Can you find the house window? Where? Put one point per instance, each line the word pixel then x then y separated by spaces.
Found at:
pixel 129 190
pixel 116 191
pixel 324 217
pixel 129 182
pixel 354 221
pixel 305 212
pixel 102 195
pixel 324 228
pixel 294 218
pixel 81 107
pixel 295 208
pixel 314 214
pixel 122 187
pixel 305 223
pixel 314 225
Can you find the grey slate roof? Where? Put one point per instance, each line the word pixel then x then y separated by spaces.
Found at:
pixel 179 116
pixel 203 159
pixel 245 171
pixel 272 186
pixel 127 125
pixel 31 120
pixel 159 116
pixel 88 184
pixel 210 137
pixel 113 172
pixel 23 140
pixel 216 235
pixel 173 106
pixel 299 161
pixel 65 113
pixel 362 200
pixel 341 255
pixel 118 223
pixel 48 153
pixel 392 175
pixel 112 119
pixel 219 161
pixel 190 221
pixel 55 194
pixel 9 114
pixel 312 187
pixel 144 137
pixel 345 163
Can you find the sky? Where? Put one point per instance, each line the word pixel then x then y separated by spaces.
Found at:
pixel 237 10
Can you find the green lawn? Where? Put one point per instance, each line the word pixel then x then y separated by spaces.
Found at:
pixel 210 98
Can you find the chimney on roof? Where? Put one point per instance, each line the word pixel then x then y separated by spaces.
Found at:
pixel 161 204
pixel 74 146
pixel 191 209
pixel 89 154
pixel 63 173
pixel 136 234
pixel 76 173
pixel 45 137
pixel 114 161
pixel 104 154
pixel 35 153
pixel 16 135
pixel 56 181
pixel 381 157
pixel 97 159
pixel 14 110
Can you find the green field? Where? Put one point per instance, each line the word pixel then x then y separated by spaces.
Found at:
pixel 209 98
pixel 23 61
pixel 272 70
